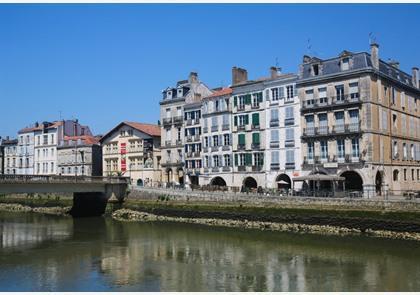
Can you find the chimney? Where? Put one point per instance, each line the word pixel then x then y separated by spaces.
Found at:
pixel 193 78
pixel 306 59
pixel 395 64
pixel 275 72
pixel 374 55
pixel 416 77
pixel 36 124
pixel 239 75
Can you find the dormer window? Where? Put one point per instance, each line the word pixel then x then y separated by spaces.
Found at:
pixel 315 70
pixel 345 64
pixel 169 94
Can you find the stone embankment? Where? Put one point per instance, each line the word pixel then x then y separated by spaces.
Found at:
pixel 131 215
pixel 44 210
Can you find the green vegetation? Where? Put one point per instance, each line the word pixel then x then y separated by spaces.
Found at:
pixel 37 200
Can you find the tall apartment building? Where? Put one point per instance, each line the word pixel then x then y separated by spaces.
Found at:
pixel 217 157
pixel 10 155
pixel 360 119
pixel 1 156
pixel 47 137
pixel 25 151
pixel 133 149
pixel 283 131
pixel 79 155
pixel 192 138
pixel 186 93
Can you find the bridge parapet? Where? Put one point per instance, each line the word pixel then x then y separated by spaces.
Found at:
pixel 57 179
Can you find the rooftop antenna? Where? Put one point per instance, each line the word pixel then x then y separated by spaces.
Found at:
pixel 372 38
pixel 60 114
pixel 277 62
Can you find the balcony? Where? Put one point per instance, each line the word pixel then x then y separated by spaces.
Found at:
pixel 172 163
pixel 240 107
pixel 338 128
pixel 274 144
pixel 289 143
pixel 321 130
pixel 226 148
pixel 241 168
pixel 189 138
pixel 255 106
pixel 226 169
pixel 214 148
pixel 178 142
pixel 196 137
pixel 274 123
pixel 225 127
pixel 290 165
pixel 214 128
pixel 257 168
pixel 255 146
pixel 289 121
pixel 178 120
pixel 325 102
pixel 168 143
pixel 241 146
pixel 241 127
pixel 167 121
pixel 255 127
pixel 215 169
pixel 205 129
pixel 275 166
pixel 189 122
pixel 196 121
pixel 205 149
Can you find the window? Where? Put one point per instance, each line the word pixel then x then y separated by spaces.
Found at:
pixel 216 161
pixel 179 111
pixel 290 157
pixel 226 139
pixel 179 134
pixel 354 90
pixel 255 138
pixel 256 120
pixel 384 119
pixel 215 140
pixel 226 120
pixel 45 141
pixel 275 157
pixel 340 148
pixel 274 136
pixel 52 167
pixel 206 141
pixel 395 175
pixel 345 64
pixel 355 147
pixel 412 152
pixel 322 95
pixel 324 150
pixel 315 70
pixel 405 174
pixel 402 95
pixel 241 159
pixel 404 151
pixel 275 94
pixel 289 119
pixel 241 139
pixel 339 90
pixel 256 99
pixel 323 123
pixel 395 149
pixel 226 159
pixel 258 159
pixel 393 95
pixel 290 92
pixel 394 120
pixel 214 122
pixel 339 121
pixel 309 97
pixel 274 115
pixel 290 136
pixel 310 150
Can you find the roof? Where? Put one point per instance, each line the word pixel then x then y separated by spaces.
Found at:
pixel 40 127
pixel 224 91
pixel 149 129
pixel 9 141
pixel 87 139
pixel 319 177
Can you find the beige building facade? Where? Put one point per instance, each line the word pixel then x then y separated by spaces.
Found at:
pixel 360 120
pixel 133 149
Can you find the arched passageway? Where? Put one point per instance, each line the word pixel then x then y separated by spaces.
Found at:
pixel 140 182
pixel 180 176
pixel 219 181
pixel 283 181
pixel 250 182
pixel 169 175
pixel 353 181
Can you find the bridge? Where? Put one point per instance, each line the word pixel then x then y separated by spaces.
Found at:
pixel 90 193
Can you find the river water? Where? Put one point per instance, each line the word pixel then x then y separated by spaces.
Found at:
pixel 50 253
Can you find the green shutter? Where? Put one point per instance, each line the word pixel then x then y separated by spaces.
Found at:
pixel 236 159
pixel 256 119
pixel 256 138
pixel 241 139
pixel 248 99
pixel 235 101
pixel 235 120
pixel 260 96
pixel 248 159
pixel 246 119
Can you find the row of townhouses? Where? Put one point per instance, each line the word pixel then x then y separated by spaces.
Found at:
pixel 349 122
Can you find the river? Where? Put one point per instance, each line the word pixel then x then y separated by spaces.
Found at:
pixel 50 253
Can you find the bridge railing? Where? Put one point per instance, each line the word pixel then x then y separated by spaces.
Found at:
pixel 12 179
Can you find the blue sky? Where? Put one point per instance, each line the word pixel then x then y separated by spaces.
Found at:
pixel 106 63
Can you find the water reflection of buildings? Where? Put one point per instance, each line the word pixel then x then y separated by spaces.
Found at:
pixel 189 258
pixel 28 232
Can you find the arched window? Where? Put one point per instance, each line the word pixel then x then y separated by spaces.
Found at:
pixel 395 175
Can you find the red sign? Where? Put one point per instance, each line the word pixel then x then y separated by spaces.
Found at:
pixel 123 165
pixel 123 148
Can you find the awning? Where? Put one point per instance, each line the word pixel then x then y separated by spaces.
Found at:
pixel 319 177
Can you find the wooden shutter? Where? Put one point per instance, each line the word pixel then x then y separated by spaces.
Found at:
pixel 256 119
pixel 248 159
pixel 236 159
pixel 246 119
pixel 235 101
pixel 235 121
pixel 256 138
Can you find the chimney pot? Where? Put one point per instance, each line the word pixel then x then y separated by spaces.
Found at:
pixel 394 63
pixel 239 75
pixel 415 77
pixel 275 72
pixel 374 55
